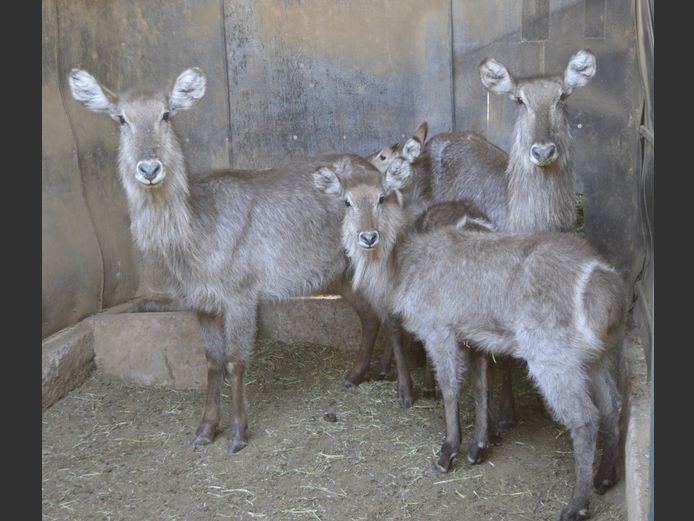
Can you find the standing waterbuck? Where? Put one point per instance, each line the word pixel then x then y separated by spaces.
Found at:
pixel 530 190
pixel 230 239
pixel 546 298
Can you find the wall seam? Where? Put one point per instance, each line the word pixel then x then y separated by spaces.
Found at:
pixel 452 47
pixel 77 156
pixel 226 83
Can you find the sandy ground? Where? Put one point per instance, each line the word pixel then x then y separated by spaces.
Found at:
pixel 116 451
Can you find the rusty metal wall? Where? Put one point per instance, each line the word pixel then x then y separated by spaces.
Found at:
pixel 289 78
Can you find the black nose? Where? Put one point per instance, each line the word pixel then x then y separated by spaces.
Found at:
pixel 149 169
pixel 543 152
pixel 368 238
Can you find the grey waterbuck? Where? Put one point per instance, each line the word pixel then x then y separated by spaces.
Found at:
pixel 230 239
pixel 532 190
pixel 546 298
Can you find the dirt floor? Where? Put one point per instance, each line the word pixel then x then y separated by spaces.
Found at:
pixel 115 451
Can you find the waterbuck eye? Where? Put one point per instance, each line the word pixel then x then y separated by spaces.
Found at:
pixel 165 116
pixel 347 203
pixel 382 157
pixel 381 199
pixel 121 119
pixel 519 100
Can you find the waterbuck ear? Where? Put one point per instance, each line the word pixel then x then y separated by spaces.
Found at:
pixel 188 89
pixel 580 70
pixel 412 148
pixel 421 132
pixel 397 175
pixel 90 93
pixel 327 181
pixel 496 78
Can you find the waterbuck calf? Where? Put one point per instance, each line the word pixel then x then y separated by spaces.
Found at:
pixel 545 298
pixel 530 190
pixel 230 239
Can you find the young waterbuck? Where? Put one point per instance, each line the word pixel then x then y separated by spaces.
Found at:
pixel 546 298
pixel 230 239
pixel 532 190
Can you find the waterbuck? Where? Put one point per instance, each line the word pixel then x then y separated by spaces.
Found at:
pixel 230 239
pixel 532 190
pixel 545 298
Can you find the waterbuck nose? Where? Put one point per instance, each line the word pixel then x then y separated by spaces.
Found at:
pixel 544 153
pixel 149 169
pixel 368 238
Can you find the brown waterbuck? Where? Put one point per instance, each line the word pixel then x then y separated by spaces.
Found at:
pixel 230 239
pixel 545 298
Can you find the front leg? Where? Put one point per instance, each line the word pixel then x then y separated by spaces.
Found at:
pixel 450 362
pixel 240 331
pixel 507 409
pixel 213 336
pixel 485 427
pixel 369 331
pixel 405 394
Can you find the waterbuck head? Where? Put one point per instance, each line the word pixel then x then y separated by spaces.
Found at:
pixel 149 151
pixel 541 128
pixel 373 213
pixel 409 150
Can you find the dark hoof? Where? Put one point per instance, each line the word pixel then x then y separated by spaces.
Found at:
pixel 495 439
pixel 429 394
pixel 476 454
pixel 603 484
pixel 405 402
pixel 204 435
pixel 446 455
pixel 436 469
pixel 353 379
pixel 237 445
pixel 569 514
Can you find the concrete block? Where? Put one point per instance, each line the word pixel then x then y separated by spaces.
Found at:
pixel 324 319
pixel 67 361
pixel 159 349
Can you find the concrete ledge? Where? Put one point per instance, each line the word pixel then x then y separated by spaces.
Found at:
pixel 67 361
pixel 637 440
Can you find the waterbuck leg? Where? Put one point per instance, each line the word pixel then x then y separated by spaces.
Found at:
pixel 405 395
pixel 492 422
pixel 213 336
pixel 609 404
pixel 386 359
pixel 449 362
pixel 240 329
pixel 481 391
pixel 369 331
pixel 507 409
pixel 429 381
pixel 570 403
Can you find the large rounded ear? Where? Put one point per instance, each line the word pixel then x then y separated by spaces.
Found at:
pixel 579 71
pixel 496 78
pixel 327 181
pixel 91 94
pixel 397 176
pixel 188 89
pixel 412 148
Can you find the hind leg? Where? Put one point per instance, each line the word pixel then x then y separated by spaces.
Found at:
pixel 240 331
pixel 564 387
pixel 369 331
pixel 481 379
pixel 213 335
pixel 609 403
pixel 507 408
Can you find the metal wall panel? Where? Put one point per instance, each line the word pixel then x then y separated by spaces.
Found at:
pixel 311 77
pixel 71 270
